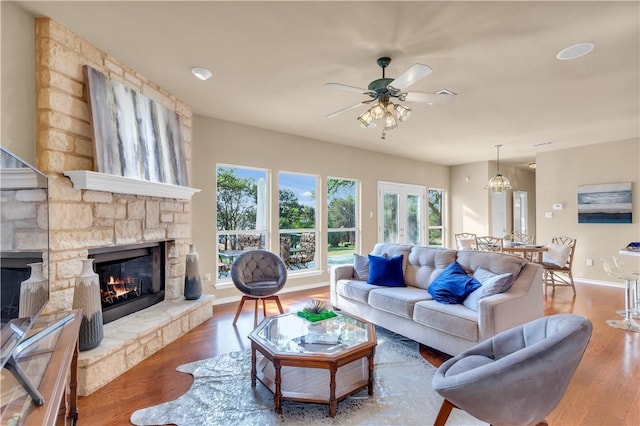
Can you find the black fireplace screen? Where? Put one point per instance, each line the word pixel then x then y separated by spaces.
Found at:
pixel 131 278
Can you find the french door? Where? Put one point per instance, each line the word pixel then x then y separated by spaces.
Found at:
pixel 401 213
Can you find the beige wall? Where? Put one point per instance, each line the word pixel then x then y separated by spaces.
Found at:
pixel 18 116
pixel 216 141
pixel 469 201
pixel 557 177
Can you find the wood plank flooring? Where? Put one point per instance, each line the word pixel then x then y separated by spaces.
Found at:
pixel 605 389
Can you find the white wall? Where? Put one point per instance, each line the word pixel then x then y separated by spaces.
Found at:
pixel 18 113
pixel 216 141
pixel 557 177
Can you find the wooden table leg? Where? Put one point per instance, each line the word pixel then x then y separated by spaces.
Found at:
pixel 370 380
pixel 277 396
pixel 254 370
pixel 333 403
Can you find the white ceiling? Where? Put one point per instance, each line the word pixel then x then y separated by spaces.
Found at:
pixel 271 59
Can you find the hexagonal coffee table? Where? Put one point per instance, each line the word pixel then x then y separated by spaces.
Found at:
pixel 313 362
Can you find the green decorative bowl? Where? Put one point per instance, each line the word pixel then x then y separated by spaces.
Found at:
pixel 313 317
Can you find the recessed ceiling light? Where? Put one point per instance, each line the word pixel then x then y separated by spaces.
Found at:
pixel 575 51
pixel 201 73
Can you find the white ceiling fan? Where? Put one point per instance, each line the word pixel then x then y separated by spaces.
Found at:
pixel 383 90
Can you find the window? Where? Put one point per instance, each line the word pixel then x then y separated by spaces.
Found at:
pixel 297 208
pixel 436 217
pixel 242 213
pixel 341 217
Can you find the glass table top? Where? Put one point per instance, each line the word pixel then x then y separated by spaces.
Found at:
pixel 290 333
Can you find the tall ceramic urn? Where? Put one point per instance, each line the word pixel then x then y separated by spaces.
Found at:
pixel 192 282
pixel 87 297
pixel 34 291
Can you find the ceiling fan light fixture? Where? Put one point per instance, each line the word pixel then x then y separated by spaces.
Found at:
pixel 366 118
pixel 403 113
pixel 390 121
pixel 377 111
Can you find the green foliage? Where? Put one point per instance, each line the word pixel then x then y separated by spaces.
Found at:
pixel 236 201
pixel 294 215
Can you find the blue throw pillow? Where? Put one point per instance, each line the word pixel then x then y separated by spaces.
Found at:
pixel 386 271
pixel 453 285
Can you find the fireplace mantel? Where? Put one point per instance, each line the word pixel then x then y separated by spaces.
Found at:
pixel 84 179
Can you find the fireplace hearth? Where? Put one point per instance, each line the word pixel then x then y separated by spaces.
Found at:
pixel 132 277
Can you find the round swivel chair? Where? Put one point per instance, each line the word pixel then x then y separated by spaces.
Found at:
pixel 259 274
pixel 517 377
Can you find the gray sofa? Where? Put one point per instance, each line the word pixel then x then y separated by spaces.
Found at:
pixel 412 312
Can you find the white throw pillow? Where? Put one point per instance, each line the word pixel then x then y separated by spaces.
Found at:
pixel 466 244
pixel 558 254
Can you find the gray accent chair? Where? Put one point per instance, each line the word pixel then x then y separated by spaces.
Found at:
pixel 518 376
pixel 259 274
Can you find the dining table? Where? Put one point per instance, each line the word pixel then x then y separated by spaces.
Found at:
pixel 528 251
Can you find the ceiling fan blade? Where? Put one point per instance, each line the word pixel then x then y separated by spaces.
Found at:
pixel 411 76
pixel 347 108
pixel 341 86
pixel 441 98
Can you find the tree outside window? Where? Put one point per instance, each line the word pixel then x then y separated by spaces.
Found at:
pixel 242 214
pixel 341 217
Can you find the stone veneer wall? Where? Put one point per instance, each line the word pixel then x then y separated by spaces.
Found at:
pixel 84 219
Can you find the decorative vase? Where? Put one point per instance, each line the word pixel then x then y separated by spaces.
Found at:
pixel 34 292
pixel 192 282
pixel 87 297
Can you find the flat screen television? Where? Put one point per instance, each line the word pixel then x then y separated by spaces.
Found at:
pixel 24 260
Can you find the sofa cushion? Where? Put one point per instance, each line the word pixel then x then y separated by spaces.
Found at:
pixel 425 264
pixel 497 263
pixel 385 271
pixel 452 319
pixel 491 284
pixel 453 285
pixel 399 301
pixel 354 290
pixel 360 267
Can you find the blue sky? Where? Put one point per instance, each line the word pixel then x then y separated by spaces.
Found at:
pixel 301 185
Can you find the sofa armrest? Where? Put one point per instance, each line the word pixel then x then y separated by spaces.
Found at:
pixel 339 272
pixel 522 303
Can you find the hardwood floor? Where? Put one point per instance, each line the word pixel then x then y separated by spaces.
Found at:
pixel 605 389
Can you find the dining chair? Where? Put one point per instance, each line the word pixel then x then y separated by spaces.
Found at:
pixel 307 251
pixel 557 262
pixel 466 241
pixel 522 238
pixel 488 243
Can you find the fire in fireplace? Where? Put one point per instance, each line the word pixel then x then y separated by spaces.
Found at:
pixel 131 277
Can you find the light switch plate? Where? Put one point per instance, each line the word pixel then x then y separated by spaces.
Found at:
pixel 548 215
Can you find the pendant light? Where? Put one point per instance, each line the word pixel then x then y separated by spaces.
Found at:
pixel 498 183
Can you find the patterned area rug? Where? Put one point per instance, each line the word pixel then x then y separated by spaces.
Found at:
pixel 221 394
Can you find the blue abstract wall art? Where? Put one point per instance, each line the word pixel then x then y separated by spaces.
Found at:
pixel 605 203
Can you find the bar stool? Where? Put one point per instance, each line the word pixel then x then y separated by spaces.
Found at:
pixel 630 284
pixel 633 271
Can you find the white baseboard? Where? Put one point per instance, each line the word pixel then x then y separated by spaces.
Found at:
pixel 598 282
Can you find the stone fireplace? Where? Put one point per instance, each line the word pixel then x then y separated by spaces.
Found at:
pixel 90 221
